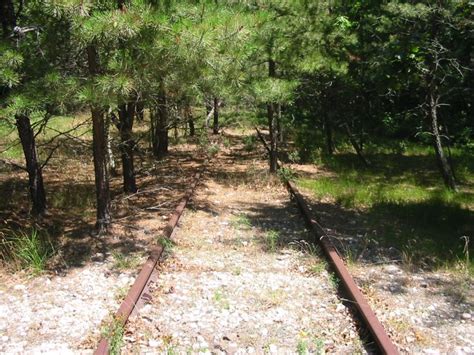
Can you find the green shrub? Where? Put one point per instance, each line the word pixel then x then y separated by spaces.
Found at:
pixel 286 174
pixel 212 150
pixel 249 143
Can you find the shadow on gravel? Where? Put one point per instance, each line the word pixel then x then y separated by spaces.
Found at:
pixel 421 235
pixel 286 225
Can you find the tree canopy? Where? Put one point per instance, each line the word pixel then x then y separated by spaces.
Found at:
pixel 323 71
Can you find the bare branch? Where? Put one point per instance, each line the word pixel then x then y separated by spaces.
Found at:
pixel 49 156
pixel 11 163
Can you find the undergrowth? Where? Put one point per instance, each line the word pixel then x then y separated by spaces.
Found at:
pixel 401 202
pixel 26 250
pixel 125 262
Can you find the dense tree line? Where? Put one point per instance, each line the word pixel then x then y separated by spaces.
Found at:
pixel 320 70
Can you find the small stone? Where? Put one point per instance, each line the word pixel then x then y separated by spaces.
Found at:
pixel 98 257
pixel 392 269
pixel 340 308
pixel 409 339
pixel 19 287
pixel 466 316
pixel 153 343
pixel 273 349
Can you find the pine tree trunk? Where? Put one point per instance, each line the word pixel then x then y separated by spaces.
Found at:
pixel 329 135
pixel 99 145
pixel 7 16
pixel 190 120
pixel 356 146
pixel 272 125
pixel 192 129
pixel 209 112
pixel 215 126
pixel 126 116
pixel 110 153
pixel 443 162
pixel 35 176
pixel 160 133
pixel 140 111
pixel 279 125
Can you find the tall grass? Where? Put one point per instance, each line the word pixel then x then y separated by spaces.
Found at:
pixel 400 201
pixel 27 250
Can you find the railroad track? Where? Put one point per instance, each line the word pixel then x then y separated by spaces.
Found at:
pixel 367 315
pixel 139 292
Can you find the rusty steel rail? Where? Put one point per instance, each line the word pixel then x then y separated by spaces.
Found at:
pixel 139 286
pixel 367 315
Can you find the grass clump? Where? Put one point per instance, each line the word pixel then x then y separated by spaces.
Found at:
pixel 166 243
pixel 125 262
pixel 334 281
pixel 212 150
pixel 272 238
pixel 317 268
pixel 241 221
pixel 29 250
pixel 302 348
pixel 309 344
pixel 220 299
pixel 113 332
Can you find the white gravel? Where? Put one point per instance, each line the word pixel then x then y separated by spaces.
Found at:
pixel 56 314
pixel 224 289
